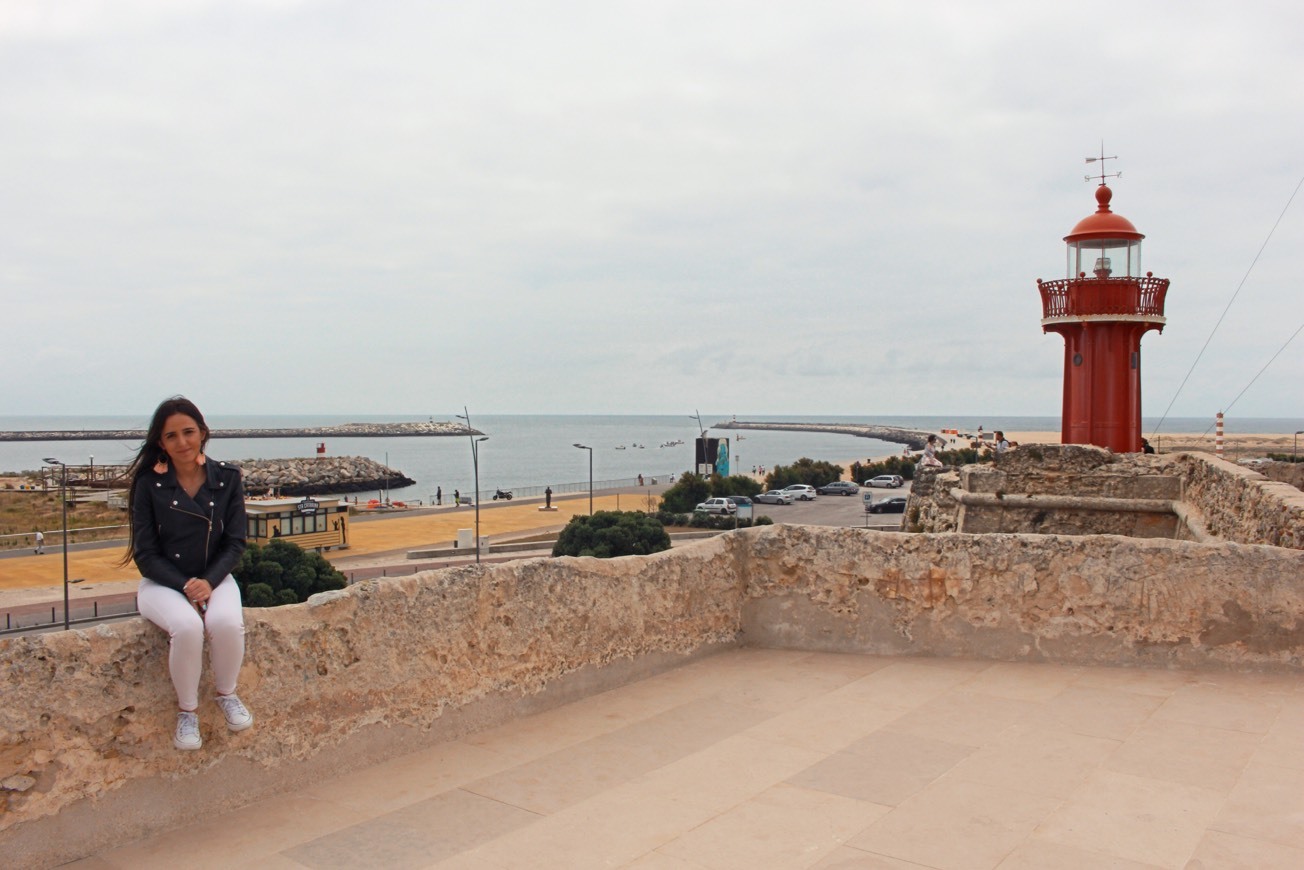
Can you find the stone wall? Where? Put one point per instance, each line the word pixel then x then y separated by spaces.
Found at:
pixel 389 666
pixel 1237 504
pixel 1082 490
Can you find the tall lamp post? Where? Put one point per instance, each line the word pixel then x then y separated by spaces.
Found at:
pixel 590 449
pixel 63 497
pixel 475 465
pixel 697 469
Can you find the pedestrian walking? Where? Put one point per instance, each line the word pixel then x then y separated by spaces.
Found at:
pixel 439 496
pixel 40 543
pixel 457 498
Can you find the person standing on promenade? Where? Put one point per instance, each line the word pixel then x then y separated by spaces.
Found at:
pixel 439 496
pixel 40 543
pixel 457 498
pixel 547 498
pixel 188 528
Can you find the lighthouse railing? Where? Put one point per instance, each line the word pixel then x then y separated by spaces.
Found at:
pixel 1085 297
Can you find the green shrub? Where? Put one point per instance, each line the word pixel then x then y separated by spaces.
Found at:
pixel 804 470
pixel 734 484
pixel 686 493
pixel 282 573
pixel 608 534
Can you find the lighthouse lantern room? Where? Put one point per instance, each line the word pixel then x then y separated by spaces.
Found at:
pixel 1102 309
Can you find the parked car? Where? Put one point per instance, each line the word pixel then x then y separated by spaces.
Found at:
pixel 893 481
pixel 717 506
pixel 894 505
pixel 739 500
pixel 774 496
pixel 801 492
pixel 838 487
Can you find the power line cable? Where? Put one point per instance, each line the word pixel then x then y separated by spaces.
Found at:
pixel 1239 286
pixel 1262 370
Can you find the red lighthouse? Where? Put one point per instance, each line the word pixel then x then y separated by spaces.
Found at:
pixel 1103 309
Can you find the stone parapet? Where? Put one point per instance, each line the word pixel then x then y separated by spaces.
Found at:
pixel 1241 505
pixel 388 666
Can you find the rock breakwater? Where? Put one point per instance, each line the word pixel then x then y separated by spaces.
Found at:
pixel 319 475
pixel 912 438
pixel 344 430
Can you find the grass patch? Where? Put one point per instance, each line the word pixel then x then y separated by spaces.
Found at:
pixel 22 513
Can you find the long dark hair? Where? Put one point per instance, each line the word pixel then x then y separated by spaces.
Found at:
pixel 151 452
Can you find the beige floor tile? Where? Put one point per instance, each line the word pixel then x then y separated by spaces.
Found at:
pixel 659 861
pixel 409 778
pixel 1023 681
pixel 1107 713
pixel 885 768
pixel 416 836
pixel 1140 681
pixel 247 836
pixel 1045 855
pixel 1219 851
pixel 1268 804
pixel 609 830
pixel 847 858
pixel 907 683
pixel 1225 704
pixel 956 825
pixel 964 718
pixel 827 724
pixel 577 772
pixel 1212 758
pixel 1283 745
pixel 1045 761
pixel 729 772
pixel 1147 820
pixel 784 827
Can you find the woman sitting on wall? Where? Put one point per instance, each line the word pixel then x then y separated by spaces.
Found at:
pixel 187 533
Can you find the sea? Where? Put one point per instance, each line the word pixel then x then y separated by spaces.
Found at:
pixel 525 453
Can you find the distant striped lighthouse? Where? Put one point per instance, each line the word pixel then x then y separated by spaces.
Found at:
pixel 1102 309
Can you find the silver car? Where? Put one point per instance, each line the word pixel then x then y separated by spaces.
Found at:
pixel 774 496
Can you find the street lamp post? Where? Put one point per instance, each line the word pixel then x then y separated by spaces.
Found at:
pixel 697 468
pixel 475 465
pixel 590 449
pixel 63 497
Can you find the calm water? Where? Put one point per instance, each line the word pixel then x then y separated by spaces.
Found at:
pixel 526 450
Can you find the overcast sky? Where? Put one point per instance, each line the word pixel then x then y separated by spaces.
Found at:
pixel 402 206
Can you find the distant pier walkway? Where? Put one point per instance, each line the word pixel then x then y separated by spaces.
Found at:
pixel 345 430
pixel 912 438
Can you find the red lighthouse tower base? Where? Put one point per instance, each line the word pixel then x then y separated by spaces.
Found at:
pixel 1102 319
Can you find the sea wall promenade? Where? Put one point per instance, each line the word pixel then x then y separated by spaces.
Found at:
pixel 912 438
pixel 344 430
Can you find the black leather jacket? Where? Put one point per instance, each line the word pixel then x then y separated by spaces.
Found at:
pixel 177 537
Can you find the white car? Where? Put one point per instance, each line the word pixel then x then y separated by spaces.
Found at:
pixel 774 496
pixel 717 506
pixel 892 481
pixel 801 492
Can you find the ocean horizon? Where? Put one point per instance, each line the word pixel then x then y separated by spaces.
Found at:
pixel 536 450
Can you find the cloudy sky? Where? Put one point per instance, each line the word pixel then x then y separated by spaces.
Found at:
pixel 402 206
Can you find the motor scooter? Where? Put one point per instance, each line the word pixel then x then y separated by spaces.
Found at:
pixel 504 494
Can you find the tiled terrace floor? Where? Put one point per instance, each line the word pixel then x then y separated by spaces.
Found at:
pixel 762 758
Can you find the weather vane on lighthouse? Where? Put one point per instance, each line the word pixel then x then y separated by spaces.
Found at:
pixel 1101 160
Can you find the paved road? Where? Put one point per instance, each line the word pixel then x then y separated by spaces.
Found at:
pixel 835 510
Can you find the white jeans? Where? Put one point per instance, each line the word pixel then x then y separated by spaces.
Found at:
pixel 223 623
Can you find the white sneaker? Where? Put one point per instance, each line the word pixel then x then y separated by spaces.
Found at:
pixel 238 717
pixel 187 733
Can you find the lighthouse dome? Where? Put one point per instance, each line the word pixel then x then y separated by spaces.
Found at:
pixel 1104 224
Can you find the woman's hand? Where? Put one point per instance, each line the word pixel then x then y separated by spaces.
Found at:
pixel 198 591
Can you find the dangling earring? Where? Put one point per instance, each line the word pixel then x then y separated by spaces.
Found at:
pixel 200 460
pixel 161 466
